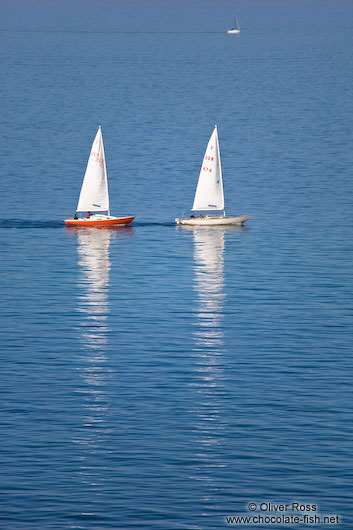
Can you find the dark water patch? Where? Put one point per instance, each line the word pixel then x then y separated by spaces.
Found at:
pixel 25 224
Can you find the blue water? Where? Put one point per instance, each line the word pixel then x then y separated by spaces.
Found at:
pixel 159 377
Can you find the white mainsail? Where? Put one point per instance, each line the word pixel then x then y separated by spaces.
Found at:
pixel 94 194
pixel 209 191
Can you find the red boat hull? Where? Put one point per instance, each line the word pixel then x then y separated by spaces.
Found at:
pixel 92 221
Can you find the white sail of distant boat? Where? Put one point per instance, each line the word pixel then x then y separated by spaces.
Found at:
pixel 94 196
pixel 236 28
pixel 209 196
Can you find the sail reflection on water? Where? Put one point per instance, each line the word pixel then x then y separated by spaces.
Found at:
pixel 94 263
pixel 207 355
pixel 209 286
pixel 94 266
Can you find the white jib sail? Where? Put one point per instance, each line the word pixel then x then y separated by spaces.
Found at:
pixel 209 191
pixel 94 196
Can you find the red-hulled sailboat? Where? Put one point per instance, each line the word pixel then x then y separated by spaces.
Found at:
pixel 94 197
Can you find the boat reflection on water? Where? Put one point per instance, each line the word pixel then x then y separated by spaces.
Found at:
pixel 208 358
pixel 94 263
pixel 209 282
pixel 93 249
pixel 95 369
pixel 209 248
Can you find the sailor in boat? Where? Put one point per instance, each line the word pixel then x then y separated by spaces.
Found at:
pixel 75 216
pixel 88 215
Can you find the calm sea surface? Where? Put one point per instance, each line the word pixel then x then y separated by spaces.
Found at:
pixel 158 377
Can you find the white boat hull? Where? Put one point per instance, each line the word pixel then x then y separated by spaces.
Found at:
pixel 233 31
pixel 210 220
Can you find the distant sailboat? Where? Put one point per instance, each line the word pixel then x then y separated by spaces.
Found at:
pixel 94 196
pixel 209 194
pixel 236 28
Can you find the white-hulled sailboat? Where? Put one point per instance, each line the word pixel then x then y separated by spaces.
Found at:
pixel 209 196
pixel 94 196
pixel 236 28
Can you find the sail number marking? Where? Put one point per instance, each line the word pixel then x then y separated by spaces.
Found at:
pixel 98 158
pixel 209 158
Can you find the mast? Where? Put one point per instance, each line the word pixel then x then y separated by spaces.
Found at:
pixel 105 170
pixel 220 170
